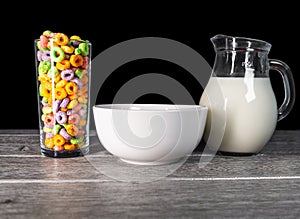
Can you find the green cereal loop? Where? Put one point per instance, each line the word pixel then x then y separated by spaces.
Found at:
pixel 47 110
pixel 53 70
pixel 41 90
pixel 44 67
pixel 47 130
pixel 47 32
pixel 56 129
pixel 84 106
pixel 45 99
pixel 44 117
pixel 77 140
pixel 53 54
pixel 77 51
pixel 66 125
pixel 78 73
pixel 84 47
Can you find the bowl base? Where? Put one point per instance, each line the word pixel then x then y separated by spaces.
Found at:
pixel 151 163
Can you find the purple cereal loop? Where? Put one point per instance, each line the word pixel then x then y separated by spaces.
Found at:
pixel 64 133
pixel 56 105
pixel 39 55
pixel 64 102
pixel 61 117
pixel 48 126
pixel 77 81
pixel 67 74
pixel 69 112
pixel 75 43
pixel 49 135
pixel 82 112
pixel 45 104
pixel 46 56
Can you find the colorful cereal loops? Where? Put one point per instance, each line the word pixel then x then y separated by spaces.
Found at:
pixel 63 64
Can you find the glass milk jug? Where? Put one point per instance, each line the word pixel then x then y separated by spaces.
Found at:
pixel 248 107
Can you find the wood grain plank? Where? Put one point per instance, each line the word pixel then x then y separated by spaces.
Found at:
pixel 235 199
pixel 26 142
pixel 107 166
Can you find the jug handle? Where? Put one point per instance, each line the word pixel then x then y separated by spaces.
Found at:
pixel 289 87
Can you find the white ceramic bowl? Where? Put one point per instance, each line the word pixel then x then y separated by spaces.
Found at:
pixel 150 134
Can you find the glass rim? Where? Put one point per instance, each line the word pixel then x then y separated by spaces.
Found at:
pixel 83 41
pixel 225 42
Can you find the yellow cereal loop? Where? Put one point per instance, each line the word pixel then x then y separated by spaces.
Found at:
pixel 61 83
pixel 68 49
pixel 63 65
pixel 72 104
pixel 82 100
pixel 74 37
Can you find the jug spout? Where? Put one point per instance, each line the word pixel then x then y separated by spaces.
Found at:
pixel 224 42
pixel 240 57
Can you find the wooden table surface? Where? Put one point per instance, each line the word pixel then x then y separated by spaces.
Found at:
pixel 100 186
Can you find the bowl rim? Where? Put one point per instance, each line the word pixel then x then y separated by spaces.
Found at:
pixel 150 107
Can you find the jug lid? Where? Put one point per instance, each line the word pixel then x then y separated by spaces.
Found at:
pixel 224 42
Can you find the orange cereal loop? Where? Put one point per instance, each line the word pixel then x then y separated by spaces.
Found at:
pixel 49 143
pixel 76 60
pixel 85 95
pixel 50 99
pixel 64 64
pixel 68 49
pixel 72 130
pixel 84 79
pixel 64 109
pixel 84 89
pixel 61 39
pixel 50 44
pixel 69 147
pixel 82 122
pixel 73 97
pixel 71 88
pixel 59 140
pixel 60 93
pixel 57 78
pixel 61 83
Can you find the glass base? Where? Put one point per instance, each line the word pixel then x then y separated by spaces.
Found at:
pixel 225 153
pixel 65 154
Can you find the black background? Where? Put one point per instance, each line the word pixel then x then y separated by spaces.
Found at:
pixel 106 26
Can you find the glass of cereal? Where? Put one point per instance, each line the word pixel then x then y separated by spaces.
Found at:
pixel 63 68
